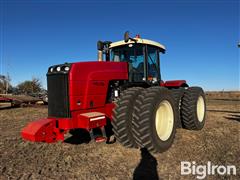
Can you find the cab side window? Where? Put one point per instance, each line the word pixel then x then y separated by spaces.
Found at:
pixel 152 58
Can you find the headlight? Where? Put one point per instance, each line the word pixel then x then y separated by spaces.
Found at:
pixel 66 68
pixel 58 68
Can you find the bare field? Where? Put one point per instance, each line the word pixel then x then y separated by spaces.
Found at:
pixel 218 142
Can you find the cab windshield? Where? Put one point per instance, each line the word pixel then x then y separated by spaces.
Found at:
pixel 134 55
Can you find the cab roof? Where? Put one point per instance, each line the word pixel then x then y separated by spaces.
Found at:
pixel 140 41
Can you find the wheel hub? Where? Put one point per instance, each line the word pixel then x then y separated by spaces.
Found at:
pixel 200 108
pixel 164 120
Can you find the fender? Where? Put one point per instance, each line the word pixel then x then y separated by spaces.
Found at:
pixel 174 84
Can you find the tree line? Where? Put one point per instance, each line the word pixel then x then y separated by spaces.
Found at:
pixel 28 87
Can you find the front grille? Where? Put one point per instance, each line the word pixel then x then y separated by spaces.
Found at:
pixel 58 95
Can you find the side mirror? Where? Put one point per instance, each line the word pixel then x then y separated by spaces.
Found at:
pixel 100 45
pixel 107 43
pixel 126 36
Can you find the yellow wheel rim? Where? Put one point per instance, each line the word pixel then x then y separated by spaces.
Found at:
pixel 200 108
pixel 164 120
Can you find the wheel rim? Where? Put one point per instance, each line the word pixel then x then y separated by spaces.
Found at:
pixel 200 108
pixel 164 120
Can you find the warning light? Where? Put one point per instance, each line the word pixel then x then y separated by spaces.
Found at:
pixel 138 36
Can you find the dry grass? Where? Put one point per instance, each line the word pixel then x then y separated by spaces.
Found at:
pixel 218 142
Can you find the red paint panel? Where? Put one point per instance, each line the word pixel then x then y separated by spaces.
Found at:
pixel 66 123
pixel 98 123
pixel 95 100
pixel 97 87
pixel 81 70
pixel 109 110
pixel 79 121
pixel 89 82
pixel 77 88
pixel 174 83
pixel 38 131
pixel 52 129
pixel 74 101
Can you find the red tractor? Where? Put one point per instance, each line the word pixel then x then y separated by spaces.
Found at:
pixel 126 92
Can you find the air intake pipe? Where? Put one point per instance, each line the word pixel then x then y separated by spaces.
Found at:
pixel 100 55
pixel 103 48
pixel 100 47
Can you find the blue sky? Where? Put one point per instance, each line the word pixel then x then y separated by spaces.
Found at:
pixel 200 36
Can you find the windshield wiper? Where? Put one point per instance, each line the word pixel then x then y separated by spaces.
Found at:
pixel 153 63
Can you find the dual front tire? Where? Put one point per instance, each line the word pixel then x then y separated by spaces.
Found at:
pixel 148 118
pixel 123 116
pixel 154 119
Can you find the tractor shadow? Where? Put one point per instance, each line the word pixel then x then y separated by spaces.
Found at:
pixel 147 168
pixel 79 136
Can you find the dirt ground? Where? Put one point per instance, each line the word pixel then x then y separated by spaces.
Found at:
pixel 218 142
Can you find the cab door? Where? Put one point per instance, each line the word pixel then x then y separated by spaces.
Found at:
pixel 153 69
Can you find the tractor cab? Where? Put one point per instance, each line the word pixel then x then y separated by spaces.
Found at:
pixel 142 56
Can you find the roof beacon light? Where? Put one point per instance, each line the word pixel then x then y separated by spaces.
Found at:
pixel 138 36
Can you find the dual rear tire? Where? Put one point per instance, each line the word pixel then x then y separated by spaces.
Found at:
pixel 193 109
pixel 191 106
